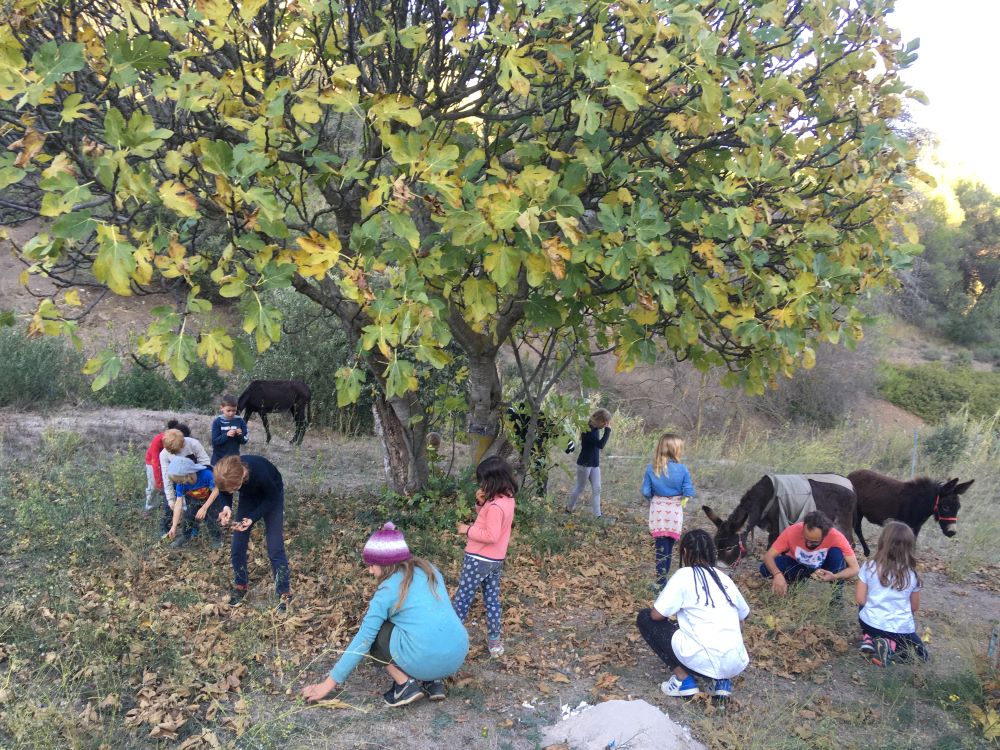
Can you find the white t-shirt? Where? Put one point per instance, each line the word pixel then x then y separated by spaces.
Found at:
pixel 886 608
pixel 709 640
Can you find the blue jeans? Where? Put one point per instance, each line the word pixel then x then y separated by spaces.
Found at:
pixel 794 571
pixel 908 645
pixel 664 551
pixel 274 522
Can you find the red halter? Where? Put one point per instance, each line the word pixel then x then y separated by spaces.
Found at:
pixel 937 516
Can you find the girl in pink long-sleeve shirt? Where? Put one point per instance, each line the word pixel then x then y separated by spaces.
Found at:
pixel 487 546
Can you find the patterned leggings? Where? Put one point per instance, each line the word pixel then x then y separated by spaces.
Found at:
pixel 480 574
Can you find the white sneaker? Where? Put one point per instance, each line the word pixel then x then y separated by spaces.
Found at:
pixel 676 688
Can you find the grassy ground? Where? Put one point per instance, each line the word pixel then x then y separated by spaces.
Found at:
pixel 108 639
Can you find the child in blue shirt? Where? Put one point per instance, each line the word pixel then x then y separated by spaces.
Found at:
pixel 410 628
pixel 196 495
pixel 229 431
pixel 667 486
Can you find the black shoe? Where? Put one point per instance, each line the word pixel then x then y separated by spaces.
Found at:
pixel 401 695
pixel 237 596
pixel 434 689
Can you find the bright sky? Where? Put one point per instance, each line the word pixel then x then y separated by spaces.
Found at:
pixel 957 69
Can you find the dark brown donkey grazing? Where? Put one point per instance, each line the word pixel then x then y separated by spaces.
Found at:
pixel 881 498
pixel 756 508
pixel 266 396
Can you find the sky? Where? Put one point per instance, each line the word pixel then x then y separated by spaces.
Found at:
pixel 957 69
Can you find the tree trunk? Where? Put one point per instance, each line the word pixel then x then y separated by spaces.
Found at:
pixel 404 449
pixel 484 406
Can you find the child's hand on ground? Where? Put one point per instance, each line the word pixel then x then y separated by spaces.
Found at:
pixel 224 515
pixel 172 532
pixel 318 691
pixel 243 525
pixel 462 528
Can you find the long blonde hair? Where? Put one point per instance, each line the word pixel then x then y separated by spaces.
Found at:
pixel 407 566
pixel 894 557
pixel 669 448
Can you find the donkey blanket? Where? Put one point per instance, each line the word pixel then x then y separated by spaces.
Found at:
pixel 794 497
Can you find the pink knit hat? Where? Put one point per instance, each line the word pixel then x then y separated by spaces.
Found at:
pixel 386 547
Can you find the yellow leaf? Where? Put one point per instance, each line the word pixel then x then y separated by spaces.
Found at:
pixel 60 165
pixel 318 254
pixel 808 358
pixel 73 298
pixel 29 145
pixel 176 197
pixel 558 253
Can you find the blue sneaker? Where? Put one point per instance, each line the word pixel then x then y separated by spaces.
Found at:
pixel 722 688
pixel 677 689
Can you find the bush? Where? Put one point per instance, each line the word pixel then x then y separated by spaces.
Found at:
pixel 935 391
pixel 946 443
pixel 38 372
pixel 152 389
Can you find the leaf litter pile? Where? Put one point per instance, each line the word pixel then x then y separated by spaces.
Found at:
pixel 143 643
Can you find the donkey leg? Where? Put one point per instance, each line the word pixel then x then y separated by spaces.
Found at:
pixel 267 429
pixel 861 536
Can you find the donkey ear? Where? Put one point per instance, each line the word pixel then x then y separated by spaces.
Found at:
pixel 947 487
pixel 961 488
pixel 711 515
pixel 739 519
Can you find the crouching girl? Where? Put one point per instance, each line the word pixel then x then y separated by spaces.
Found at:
pixel 410 628
pixel 706 639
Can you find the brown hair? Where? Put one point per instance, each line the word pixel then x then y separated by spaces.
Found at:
pixel 229 473
pixel 229 400
pixel 407 567
pixel 496 478
pixel 894 558
pixel 817 519
pixel 173 441
pixel 600 418
pixel 669 448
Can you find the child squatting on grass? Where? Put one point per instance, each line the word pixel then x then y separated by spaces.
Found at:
pixel 410 627
pixel 486 549
pixel 667 486
pixel 195 501
pixel 178 442
pixel 706 639
pixel 888 596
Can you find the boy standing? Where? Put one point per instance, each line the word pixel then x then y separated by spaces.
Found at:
pixel 229 431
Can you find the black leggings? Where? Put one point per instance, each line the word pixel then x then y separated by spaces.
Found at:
pixel 908 644
pixel 658 634
pixel 380 648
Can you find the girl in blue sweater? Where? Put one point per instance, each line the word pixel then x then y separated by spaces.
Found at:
pixel 667 486
pixel 410 628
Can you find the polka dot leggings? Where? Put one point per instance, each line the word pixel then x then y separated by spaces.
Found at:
pixel 480 574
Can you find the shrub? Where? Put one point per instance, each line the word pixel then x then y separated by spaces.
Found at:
pixel 38 372
pixel 935 391
pixel 946 443
pixel 152 389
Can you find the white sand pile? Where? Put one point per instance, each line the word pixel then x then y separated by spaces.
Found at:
pixel 635 725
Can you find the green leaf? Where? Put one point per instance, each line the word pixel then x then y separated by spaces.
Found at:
pixel 130 55
pixel 348 381
pixel 106 365
pixel 179 351
pixel 54 61
pixel 502 263
pixel 115 261
pixel 77 225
